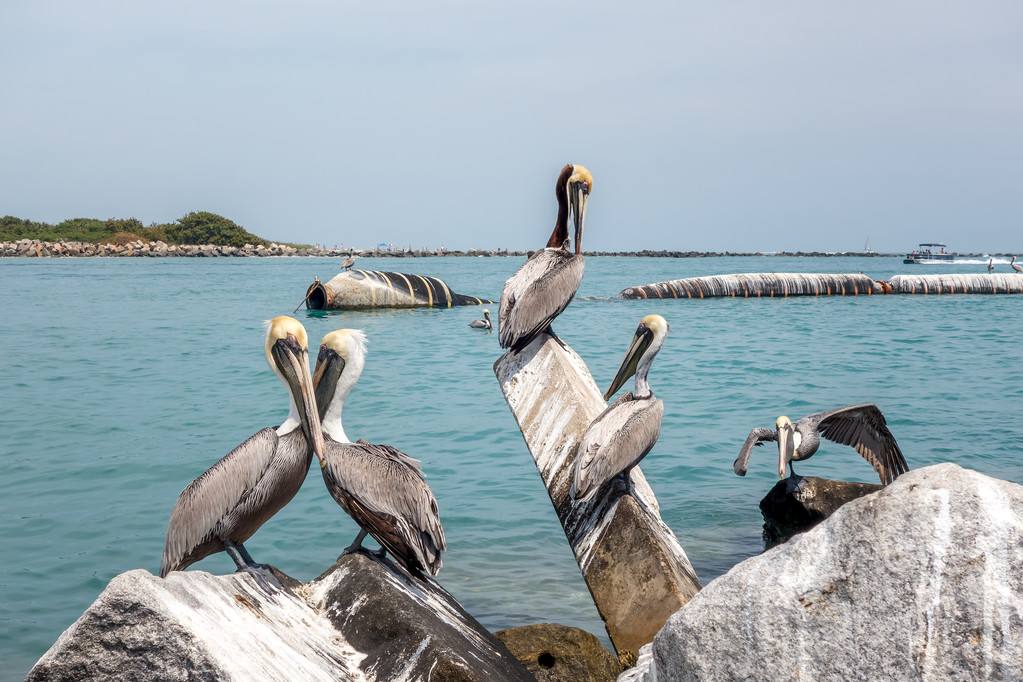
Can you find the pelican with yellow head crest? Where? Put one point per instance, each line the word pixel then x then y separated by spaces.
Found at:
pixel 545 285
pixel 627 430
pixel 863 427
pixel 380 487
pixel 225 506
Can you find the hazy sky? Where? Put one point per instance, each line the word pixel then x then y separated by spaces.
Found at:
pixel 716 125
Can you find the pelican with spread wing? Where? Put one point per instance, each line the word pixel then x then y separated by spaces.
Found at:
pixel 863 427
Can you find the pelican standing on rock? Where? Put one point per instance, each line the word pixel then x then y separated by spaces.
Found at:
pixel 626 431
pixel 861 426
pixel 1015 266
pixel 221 509
pixel 380 487
pixel 547 282
pixel 485 323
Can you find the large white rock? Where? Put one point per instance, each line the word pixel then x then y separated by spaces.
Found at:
pixel 361 620
pixel 920 581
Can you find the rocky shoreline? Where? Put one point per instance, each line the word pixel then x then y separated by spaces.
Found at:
pixel 919 580
pixel 34 248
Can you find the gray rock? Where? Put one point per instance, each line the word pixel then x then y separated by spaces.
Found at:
pixel 790 509
pixel 559 653
pixel 361 620
pixel 920 581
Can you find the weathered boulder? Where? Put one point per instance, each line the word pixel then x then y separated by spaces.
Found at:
pixel 361 620
pixel 795 507
pixel 920 581
pixel 407 628
pixel 559 653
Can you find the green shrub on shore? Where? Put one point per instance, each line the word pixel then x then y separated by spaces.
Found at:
pixel 199 227
pixel 203 227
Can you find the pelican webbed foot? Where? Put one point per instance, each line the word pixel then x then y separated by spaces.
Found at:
pixel 249 561
pixel 356 543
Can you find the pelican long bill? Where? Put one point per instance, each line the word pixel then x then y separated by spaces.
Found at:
pixel 329 366
pixel 293 362
pixel 785 444
pixel 640 342
pixel 578 195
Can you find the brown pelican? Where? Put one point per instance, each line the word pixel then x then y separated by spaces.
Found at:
pixel 221 509
pixel 485 323
pixel 626 431
pixel 347 263
pixel 861 426
pixel 990 265
pixel 380 487
pixel 1017 268
pixel 546 283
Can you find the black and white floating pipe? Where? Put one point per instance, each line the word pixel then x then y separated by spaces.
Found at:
pixel 354 289
pixel 759 285
pixel 977 283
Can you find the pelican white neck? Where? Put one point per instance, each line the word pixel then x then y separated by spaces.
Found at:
pixel 350 345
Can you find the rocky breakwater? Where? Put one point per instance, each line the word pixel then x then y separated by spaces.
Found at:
pixel 361 620
pixel 33 248
pixel 922 580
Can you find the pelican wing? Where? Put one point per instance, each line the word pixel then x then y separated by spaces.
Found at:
pixel 756 437
pixel 864 428
pixel 209 499
pixel 616 440
pixel 384 491
pixel 536 294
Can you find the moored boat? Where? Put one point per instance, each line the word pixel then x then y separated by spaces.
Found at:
pixel 930 253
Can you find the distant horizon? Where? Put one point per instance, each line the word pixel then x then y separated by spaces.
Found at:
pixel 422 247
pixel 716 127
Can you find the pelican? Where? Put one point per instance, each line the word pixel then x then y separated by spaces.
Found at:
pixel 380 487
pixel 861 426
pixel 485 323
pixel 990 265
pixel 347 263
pixel 625 432
pixel 546 283
pixel 1017 268
pixel 222 509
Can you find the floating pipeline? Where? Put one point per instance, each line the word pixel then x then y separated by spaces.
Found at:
pixel 374 289
pixel 759 285
pixel 785 284
pixel 980 283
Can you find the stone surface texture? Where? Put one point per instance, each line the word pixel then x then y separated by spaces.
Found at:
pixel 796 507
pixel 920 581
pixel 559 653
pixel 636 570
pixel 361 620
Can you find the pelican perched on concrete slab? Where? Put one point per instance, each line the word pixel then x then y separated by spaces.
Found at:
pixel 349 262
pixel 221 509
pixel 380 487
pixel 1015 266
pixel 626 431
pixel 990 265
pixel 547 282
pixel 861 426
pixel 485 323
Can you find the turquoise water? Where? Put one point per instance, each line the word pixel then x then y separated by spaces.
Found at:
pixel 125 378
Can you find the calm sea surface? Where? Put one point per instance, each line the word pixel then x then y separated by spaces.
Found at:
pixel 123 379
